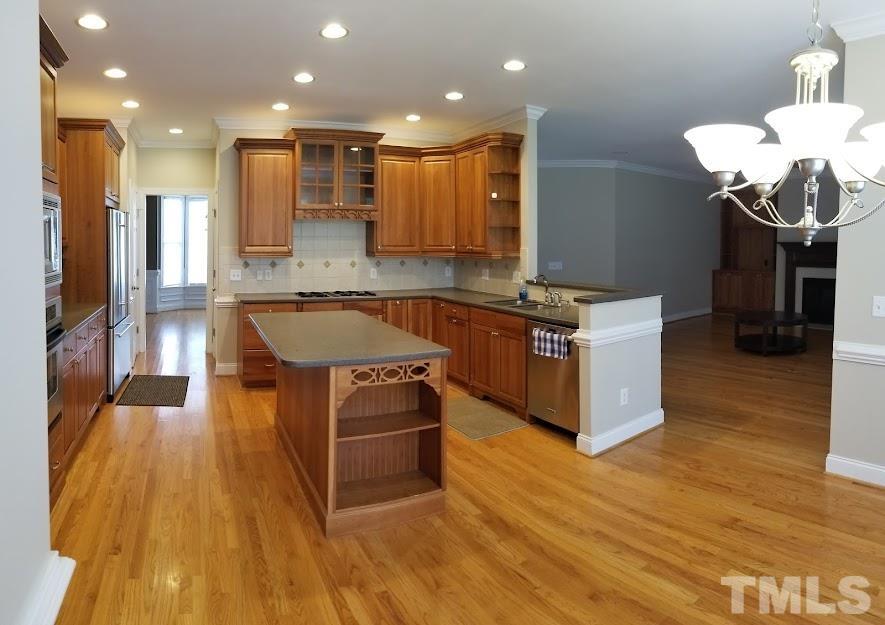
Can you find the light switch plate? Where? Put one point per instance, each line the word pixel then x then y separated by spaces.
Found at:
pixel 625 396
pixel 517 277
pixel 554 265
pixel 259 274
pixel 236 275
pixel 448 271
pixel 485 274
pixel 268 274
pixel 879 305
pixel 373 273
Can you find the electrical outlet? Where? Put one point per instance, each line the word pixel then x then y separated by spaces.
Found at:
pixel 448 271
pixel 517 277
pixel 259 274
pixel 625 396
pixel 879 305
pixel 485 274
pixel 236 275
pixel 268 274
pixel 373 273
pixel 554 265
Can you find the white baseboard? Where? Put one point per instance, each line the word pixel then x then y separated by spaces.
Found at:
pixel 46 601
pixel 595 445
pixel 225 368
pixel 688 314
pixel 856 470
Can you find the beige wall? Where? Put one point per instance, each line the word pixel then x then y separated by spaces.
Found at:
pixel 176 168
pixel 857 430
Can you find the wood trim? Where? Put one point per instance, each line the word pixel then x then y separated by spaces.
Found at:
pixel 399 150
pixel 264 144
pixel 507 139
pixel 356 214
pixel 331 134
pixel 50 48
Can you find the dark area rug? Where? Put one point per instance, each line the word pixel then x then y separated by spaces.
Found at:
pixel 155 390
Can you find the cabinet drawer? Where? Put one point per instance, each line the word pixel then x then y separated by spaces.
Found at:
pixel 259 364
pixel 457 311
pixel 95 326
pixel 56 449
pixel 373 308
pixel 251 338
pixel 81 334
pixel 507 324
pixel 70 347
pixel 248 309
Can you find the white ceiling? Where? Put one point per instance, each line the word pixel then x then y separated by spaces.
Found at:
pixel 620 79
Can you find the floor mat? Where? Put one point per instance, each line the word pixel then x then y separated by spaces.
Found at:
pixel 155 390
pixel 478 419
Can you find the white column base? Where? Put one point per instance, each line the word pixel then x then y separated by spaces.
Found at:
pixel 46 601
pixel 595 445
pixel 856 470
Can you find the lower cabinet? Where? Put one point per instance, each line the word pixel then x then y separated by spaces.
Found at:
pixel 497 356
pixel 398 313
pixel 256 365
pixel 421 318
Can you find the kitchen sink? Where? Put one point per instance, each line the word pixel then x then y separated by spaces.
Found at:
pixel 536 306
pixel 516 303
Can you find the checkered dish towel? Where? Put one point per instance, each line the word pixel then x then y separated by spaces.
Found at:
pixel 550 344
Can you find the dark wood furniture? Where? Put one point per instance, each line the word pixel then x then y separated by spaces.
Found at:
pixel 748 253
pixel 771 339
pixel 266 197
pixel 84 376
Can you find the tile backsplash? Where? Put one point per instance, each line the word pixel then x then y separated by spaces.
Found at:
pixel 329 256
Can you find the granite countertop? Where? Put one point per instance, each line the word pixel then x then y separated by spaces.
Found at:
pixel 348 337
pixel 75 314
pixel 565 316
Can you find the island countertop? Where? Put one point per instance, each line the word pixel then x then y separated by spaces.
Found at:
pixel 338 338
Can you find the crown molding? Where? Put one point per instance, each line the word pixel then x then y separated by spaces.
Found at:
pixel 623 166
pixel 121 122
pixel 495 123
pixel 244 123
pixel 861 27
pixel 207 144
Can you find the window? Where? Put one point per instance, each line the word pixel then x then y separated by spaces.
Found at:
pixel 184 227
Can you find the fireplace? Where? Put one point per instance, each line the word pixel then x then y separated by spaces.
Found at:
pixel 817 262
pixel 819 300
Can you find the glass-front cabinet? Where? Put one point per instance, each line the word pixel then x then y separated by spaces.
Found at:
pixel 335 171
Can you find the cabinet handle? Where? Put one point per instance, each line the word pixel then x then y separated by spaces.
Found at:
pixel 270 366
pixel 56 464
pixel 68 349
pixel 495 334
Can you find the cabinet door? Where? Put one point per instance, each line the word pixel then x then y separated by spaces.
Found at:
pixel 398 313
pixel 317 166
pixel 111 173
pixel 92 377
pixel 512 368
pixel 357 180
pixel 484 358
pixel 479 202
pixel 69 407
pixel 458 334
pixel 464 197
pixel 321 306
pixel 421 318
pixel 83 399
pixel 102 371
pixel 397 230
pixel 266 202
pixel 440 324
pixel 48 123
pixel 438 204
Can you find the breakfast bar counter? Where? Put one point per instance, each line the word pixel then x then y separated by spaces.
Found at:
pixel 361 413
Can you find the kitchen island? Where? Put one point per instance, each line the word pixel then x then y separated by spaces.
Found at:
pixel 361 413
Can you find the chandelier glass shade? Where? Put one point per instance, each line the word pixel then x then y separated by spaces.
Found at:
pixel 812 134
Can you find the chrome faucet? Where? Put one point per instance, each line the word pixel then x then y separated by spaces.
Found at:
pixel 537 279
pixel 556 298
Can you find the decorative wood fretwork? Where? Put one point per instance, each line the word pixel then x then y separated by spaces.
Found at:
pixel 350 378
pixel 337 213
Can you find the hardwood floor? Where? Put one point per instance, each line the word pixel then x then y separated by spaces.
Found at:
pixel 192 515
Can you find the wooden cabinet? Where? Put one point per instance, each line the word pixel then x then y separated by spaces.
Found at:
pixel 256 365
pixel 498 356
pixel 469 214
pixel 111 172
pixel 266 197
pixel 438 213
pixel 335 173
pixel 52 58
pixel 398 313
pixel 458 337
pixel 421 318
pixel 397 230
pixel 735 290
pixel 70 375
pixel 372 308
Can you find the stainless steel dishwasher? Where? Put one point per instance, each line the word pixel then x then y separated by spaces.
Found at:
pixel 553 384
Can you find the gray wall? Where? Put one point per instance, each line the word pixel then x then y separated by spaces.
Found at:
pixel 576 223
pixel 614 226
pixel 857 430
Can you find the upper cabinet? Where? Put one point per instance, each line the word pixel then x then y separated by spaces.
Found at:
pixel 266 196
pixel 52 58
pixel 437 189
pixel 93 156
pixel 336 174
pixel 397 230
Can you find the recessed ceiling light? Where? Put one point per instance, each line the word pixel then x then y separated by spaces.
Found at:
pixel 280 106
pixel 514 65
pixel 303 78
pixel 454 96
pixel 413 118
pixel 334 31
pixel 91 21
pixel 131 104
pixel 115 72
pixel 175 131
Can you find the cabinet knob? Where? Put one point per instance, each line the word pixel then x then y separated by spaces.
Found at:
pixel 68 349
pixel 56 464
pixel 269 366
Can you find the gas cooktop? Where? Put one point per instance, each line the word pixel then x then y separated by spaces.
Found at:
pixel 321 294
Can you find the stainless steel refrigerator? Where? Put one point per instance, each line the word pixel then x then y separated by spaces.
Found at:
pixel 121 322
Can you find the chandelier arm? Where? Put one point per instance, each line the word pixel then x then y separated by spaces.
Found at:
pixel 783 180
pixel 867 215
pixel 771 209
pixel 726 195
pixel 846 208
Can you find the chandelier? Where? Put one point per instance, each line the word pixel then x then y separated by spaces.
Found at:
pixel 812 133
